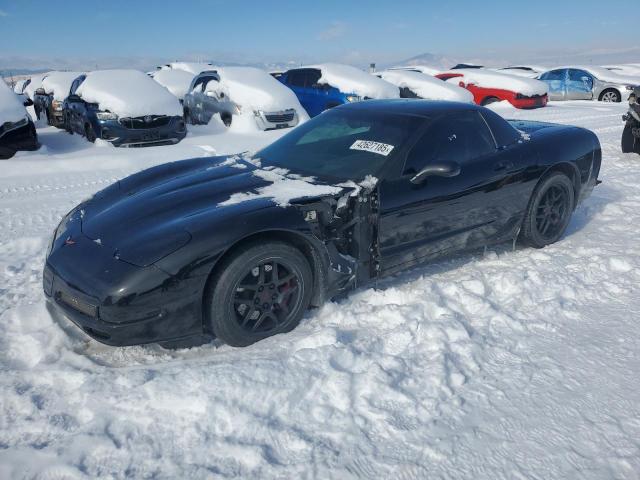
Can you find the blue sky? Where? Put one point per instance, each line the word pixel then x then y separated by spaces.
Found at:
pixel 278 31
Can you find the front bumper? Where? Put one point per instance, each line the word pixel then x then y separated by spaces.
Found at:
pixel 120 136
pixel 114 302
pixel 277 120
pixel 536 101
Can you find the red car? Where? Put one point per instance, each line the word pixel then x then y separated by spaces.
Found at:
pixel 488 86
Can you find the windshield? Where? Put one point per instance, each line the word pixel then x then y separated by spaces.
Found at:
pixel 343 144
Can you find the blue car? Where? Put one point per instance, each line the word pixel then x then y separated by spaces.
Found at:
pixel 99 106
pixel 317 97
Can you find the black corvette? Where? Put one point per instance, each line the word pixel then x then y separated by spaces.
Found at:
pixel 239 247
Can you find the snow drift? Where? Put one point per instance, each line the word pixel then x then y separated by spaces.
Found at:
pixel 11 108
pixel 349 79
pixel 254 89
pixel 176 81
pixel 425 86
pixel 128 93
pixel 501 81
pixel 59 83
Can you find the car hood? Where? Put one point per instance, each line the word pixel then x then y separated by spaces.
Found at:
pixel 148 215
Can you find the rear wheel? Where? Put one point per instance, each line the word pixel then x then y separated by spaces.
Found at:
pixel 489 101
pixel 226 119
pixel 186 115
pixel 67 124
pixel 549 211
pixel 90 133
pixel 610 96
pixel 261 290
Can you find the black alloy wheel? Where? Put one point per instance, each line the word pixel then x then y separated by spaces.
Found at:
pixel 549 211
pixel 261 290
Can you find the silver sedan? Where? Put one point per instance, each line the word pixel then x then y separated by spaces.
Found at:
pixel 587 83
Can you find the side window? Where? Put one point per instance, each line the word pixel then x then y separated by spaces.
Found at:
pixel 313 76
pixel 553 75
pixel 209 82
pixel 296 78
pixel 502 131
pixel 458 137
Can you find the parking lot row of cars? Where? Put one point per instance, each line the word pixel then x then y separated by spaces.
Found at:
pixel 129 108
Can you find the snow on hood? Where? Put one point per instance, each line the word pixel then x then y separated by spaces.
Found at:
pixel 254 89
pixel 176 81
pixel 59 83
pixel 11 108
pixel 425 86
pixel 502 81
pixel 605 75
pixel 128 93
pixel 349 79
pixel 36 83
pixel 283 188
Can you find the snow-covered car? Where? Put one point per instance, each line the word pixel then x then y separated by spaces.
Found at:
pixel 34 82
pixel 588 83
pixel 125 108
pixel 324 86
pixel 426 69
pixel 36 93
pixel 529 71
pixel 17 131
pixel 194 68
pixel 175 80
pixel 19 87
pixel 488 86
pixel 248 91
pixel 51 95
pixel 419 85
pixel 239 247
pixel 626 69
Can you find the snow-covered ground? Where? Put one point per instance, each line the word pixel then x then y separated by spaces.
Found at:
pixel 500 365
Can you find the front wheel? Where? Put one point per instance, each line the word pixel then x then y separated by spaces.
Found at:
pixel 549 211
pixel 261 290
pixel 610 96
pixel 90 133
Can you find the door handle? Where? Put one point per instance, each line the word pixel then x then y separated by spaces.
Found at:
pixel 502 166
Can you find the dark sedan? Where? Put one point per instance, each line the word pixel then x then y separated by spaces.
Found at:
pixel 240 247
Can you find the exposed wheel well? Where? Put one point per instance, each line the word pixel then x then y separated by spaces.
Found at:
pixel 488 100
pixel 296 240
pixel 610 90
pixel 571 172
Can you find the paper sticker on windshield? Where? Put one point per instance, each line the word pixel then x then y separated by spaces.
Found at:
pixel 373 147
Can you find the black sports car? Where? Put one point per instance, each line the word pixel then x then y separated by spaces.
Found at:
pixel 239 247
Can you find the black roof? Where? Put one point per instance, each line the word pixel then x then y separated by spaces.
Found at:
pixel 409 106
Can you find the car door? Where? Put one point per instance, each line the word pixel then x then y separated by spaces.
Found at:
pixel 579 85
pixel 556 80
pixel 421 220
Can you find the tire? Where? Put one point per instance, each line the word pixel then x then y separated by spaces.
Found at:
pixel 48 117
pixel 90 133
pixel 489 101
pixel 226 119
pixel 186 115
pixel 549 211
pixel 67 125
pixel 628 140
pixel 242 307
pixel 610 95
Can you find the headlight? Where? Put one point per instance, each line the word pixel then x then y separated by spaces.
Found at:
pixel 353 98
pixel 56 105
pixel 106 116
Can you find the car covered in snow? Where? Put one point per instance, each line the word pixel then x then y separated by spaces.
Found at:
pixel 588 83
pixel 419 85
pixel 324 86
pixel 529 71
pixel 488 86
pixel 239 247
pixel 626 69
pixel 242 91
pixel 17 131
pixel 51 95
pixel 426 69
pixel 124 108
pixel 177 81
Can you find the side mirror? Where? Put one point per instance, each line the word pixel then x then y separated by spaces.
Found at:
pixel 440 169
